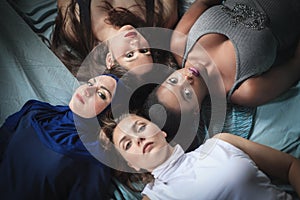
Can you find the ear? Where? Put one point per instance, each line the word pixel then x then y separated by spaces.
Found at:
pixel 164 134
pixel 136 168
pixel 109 61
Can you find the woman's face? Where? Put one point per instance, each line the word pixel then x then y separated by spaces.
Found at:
pixel 182 90
pixel 130 49
pixel 92 98
pixel 141 143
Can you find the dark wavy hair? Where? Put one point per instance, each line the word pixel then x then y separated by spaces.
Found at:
pixel 72 39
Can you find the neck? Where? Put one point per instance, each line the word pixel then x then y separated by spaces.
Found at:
pixel 164 156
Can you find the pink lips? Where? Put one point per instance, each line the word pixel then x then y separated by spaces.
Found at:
pixel 194 71
pixel 79 97
pixel 147 147
pixel 131 34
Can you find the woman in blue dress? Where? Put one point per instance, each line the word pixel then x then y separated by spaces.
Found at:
pixel 42 155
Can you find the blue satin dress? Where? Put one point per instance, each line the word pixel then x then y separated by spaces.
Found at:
pixel 43 157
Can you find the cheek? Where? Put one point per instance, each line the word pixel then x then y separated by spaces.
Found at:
pixel 94 24
pixel 130 157
pixel 99 106
pixel 197 94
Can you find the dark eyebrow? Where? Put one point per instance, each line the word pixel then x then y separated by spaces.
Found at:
pixel 122 139
pixel 104 88
pixel 133 127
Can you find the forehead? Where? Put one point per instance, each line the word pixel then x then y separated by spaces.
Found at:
pixel 125 126
pixel 139 65
pixel 104 78
pixel 169 97
pixel 107 81
pixel 177 73
pixel 127 122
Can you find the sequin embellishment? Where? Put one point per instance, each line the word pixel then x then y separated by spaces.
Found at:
pixel 247 16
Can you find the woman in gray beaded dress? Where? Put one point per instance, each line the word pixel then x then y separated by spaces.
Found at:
pixel 252 43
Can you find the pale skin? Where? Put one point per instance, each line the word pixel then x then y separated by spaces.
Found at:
pixel 92 98
pixel 143 145
pixel 129 48
pixel 254 91
pixel 139 142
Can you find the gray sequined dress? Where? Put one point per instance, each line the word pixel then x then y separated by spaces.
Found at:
pixel 263 32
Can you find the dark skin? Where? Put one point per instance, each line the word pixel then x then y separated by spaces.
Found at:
pixel 254 91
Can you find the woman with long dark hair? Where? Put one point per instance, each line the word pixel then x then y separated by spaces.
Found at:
pixel 82 24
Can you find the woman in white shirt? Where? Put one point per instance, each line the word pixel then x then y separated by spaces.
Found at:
pixel 224 167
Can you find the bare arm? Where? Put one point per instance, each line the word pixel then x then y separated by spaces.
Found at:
pixel 273 162
pixel 261 89
pixel 193 13
pixel 185 23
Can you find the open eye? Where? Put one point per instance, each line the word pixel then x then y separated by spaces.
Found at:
pixel 173 80
pixel 102 95
pixel 141 128
pixel 145 50
pixel 127 145
pixel 129 54
pixel 188 93
pixel 89 83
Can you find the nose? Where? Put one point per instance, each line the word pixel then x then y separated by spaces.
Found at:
pixel 126 28
pixel 134 43
pixel 90 90
pixel 189 77
pixel 140 140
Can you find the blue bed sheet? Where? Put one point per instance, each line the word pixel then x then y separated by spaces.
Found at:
pixel 28 68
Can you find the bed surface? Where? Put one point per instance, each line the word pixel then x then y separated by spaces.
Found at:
pixel 29 70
